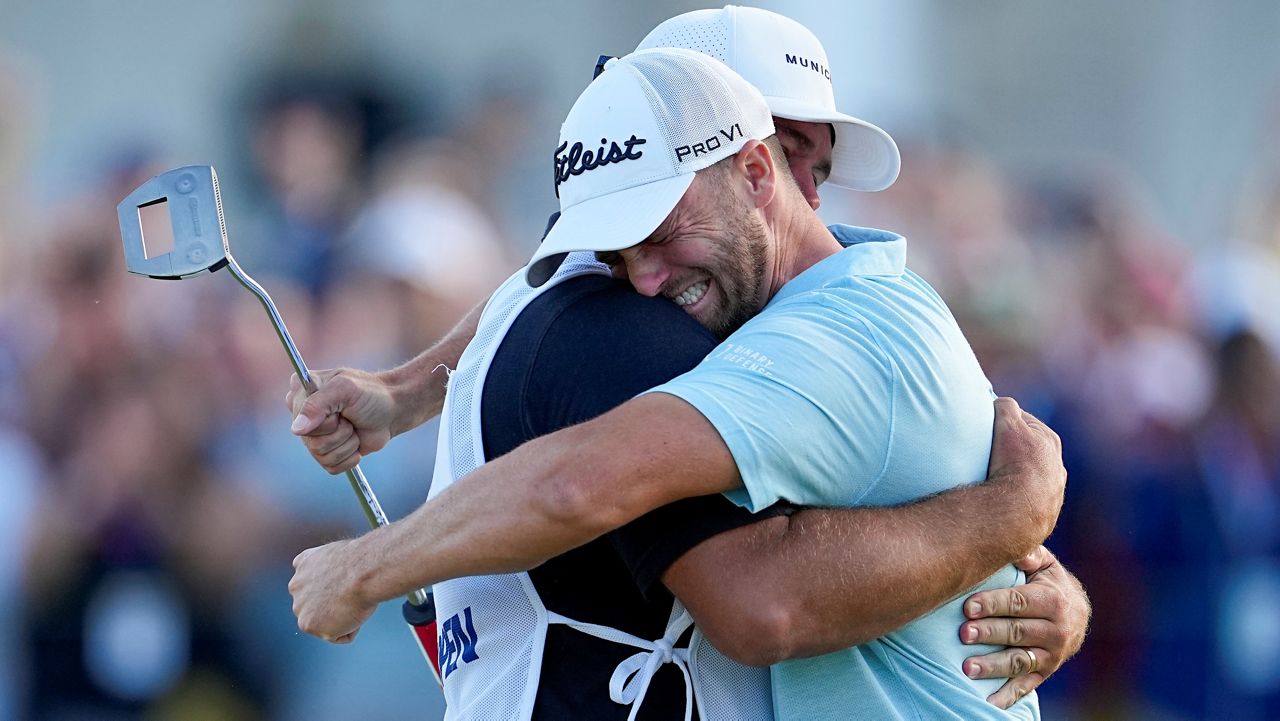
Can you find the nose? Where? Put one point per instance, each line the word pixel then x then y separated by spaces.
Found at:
pixel 809 190
pixel 646 272
pixel 802 170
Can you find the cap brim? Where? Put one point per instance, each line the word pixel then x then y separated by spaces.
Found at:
pixel 864 157
pixel 612 221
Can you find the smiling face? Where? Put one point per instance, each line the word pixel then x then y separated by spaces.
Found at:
pixel 711 257
pixel 716 254
pixel 808 150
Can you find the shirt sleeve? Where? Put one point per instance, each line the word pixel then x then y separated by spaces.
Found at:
pixel 802 395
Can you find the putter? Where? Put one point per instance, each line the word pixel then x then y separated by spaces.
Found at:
pixel 189 199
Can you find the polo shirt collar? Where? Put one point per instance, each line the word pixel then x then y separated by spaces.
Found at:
pixel 867 252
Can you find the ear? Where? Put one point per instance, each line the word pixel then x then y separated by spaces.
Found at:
pixel 758 172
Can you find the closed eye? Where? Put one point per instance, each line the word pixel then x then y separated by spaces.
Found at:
pixel 610 258
pixel 821 173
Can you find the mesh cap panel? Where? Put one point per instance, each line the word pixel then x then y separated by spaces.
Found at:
pixel 698 110
pixel 706 31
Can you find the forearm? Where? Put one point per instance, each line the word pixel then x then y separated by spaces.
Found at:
pixel 495 520
pixel 857 574
pixel 550 496
pixel 826 579
pixel 418 386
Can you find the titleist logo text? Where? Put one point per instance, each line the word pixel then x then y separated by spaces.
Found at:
pixel 577 161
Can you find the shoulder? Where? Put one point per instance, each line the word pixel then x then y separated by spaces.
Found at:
pixel 807 333
pixel 603 319
pixel 588 344
pixel 589 298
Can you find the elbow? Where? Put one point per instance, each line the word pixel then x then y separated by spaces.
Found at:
pixel 764 633
pixel 759 635
pixel 571 496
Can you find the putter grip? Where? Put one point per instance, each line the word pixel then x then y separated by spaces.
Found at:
pixel 421 618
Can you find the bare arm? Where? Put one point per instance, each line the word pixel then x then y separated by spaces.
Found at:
pixel 419 389
pixel 355 412
pixel 556 493
pixel 826 579
pixel 546 497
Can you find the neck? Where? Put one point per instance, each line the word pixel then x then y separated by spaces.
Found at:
pixel 800 242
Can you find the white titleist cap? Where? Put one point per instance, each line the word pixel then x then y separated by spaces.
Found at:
pixel 787 63
pixel 632 142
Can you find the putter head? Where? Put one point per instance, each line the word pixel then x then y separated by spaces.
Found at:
pixel 196 237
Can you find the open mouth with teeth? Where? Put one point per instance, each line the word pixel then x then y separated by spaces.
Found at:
pixel 690 296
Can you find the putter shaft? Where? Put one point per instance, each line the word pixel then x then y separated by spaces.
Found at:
pixel 359 484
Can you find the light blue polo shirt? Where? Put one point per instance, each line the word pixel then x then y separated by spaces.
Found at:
pixel 855 387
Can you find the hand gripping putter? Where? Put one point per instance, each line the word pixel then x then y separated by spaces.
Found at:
pixel 199 246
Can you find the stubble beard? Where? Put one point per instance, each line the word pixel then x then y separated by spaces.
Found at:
pixel 741 260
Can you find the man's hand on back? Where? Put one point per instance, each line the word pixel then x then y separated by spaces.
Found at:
pixel 1026 460
pixel 1044 619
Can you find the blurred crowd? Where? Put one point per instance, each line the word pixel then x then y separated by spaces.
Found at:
pixel 152 497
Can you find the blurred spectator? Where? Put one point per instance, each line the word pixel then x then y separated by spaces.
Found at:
pixel 1239 453
pixel 22 470
pixel 424 229
pixel 129 569
pixel 1237 287
pixel 506 140
pixel 22 480
pixel 20 310
pixel 309 135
